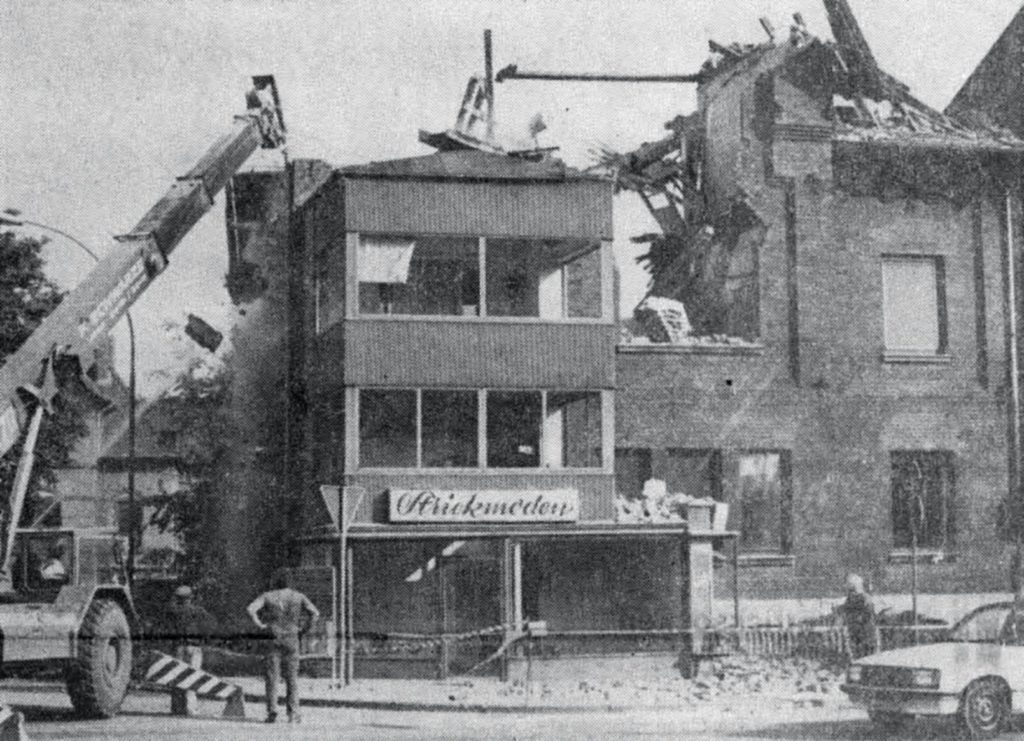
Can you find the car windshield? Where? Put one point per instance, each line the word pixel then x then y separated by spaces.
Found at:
pixel 985 625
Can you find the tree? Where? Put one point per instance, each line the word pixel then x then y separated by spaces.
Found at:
pixel 27 296
pixel 197 410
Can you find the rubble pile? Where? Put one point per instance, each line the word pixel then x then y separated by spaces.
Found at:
pixel 730 681
pixel 656 504
pixel 662 320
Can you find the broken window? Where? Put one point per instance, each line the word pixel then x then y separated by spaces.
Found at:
pixel 914 304
pixel 922 498
pixel 513 429
pixel 449 429
pixel 756 484
pixel 694 472
pixel 543 279
pixel 431 276
pixel 387 428
pixel 572 430
pixel 632 469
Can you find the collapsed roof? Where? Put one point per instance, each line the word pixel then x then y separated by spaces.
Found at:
pixel 810 92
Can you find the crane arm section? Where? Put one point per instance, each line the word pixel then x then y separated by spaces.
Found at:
pixel 88 312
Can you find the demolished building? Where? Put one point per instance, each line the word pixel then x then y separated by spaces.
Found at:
pixel 857 240
pixel 444 334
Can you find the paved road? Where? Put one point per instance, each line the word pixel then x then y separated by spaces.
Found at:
pixel 146 717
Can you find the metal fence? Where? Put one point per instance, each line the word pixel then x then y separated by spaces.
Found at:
pixel 824 642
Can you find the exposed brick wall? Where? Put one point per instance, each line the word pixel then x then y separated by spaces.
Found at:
pixel 852 408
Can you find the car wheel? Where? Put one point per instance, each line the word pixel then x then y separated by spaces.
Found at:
pixel 886 721
pixel 985 708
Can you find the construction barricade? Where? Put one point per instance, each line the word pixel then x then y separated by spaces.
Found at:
pixel 170 673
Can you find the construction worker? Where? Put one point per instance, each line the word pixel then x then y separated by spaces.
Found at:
pixel 286 613
pixel 191 626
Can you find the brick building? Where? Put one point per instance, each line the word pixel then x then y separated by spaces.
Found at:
pixel 434 340
pixel 854 244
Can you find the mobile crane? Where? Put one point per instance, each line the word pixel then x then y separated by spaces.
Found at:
pixel 80 615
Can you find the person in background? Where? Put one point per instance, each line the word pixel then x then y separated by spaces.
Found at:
pixel 858 614
pixel 286 613
pixel 190 626
pixel 53 568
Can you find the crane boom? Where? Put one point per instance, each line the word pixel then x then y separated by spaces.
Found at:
pixel 89 311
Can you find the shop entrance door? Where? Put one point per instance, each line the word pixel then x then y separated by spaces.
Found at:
pixel 470 583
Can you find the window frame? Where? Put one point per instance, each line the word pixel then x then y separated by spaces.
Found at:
pixel 354 440
pixel 785 504
pixel 947 545
pixel 605 262
pixel 910 354
pixel 718 460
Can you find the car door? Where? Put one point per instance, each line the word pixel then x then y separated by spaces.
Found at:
pixel 1011 655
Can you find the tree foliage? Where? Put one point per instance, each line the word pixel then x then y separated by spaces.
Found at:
pixel 198 411
pixel 27 296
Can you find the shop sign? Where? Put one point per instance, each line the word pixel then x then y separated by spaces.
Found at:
pixel 488 505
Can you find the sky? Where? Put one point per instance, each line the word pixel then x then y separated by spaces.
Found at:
pixel 104 103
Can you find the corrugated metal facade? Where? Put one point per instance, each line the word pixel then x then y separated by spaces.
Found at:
pixel 477 354
pixel 575 208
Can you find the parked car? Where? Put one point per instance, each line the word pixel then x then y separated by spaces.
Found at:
pixel 977 675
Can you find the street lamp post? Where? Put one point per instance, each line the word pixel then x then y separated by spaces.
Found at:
pixel 12 217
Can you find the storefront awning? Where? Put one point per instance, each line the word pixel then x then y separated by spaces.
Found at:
pixel 368 531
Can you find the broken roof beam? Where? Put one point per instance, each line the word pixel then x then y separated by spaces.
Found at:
pixel 512 72
pixel 858 56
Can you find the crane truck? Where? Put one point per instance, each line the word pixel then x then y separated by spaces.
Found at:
pixel 80 616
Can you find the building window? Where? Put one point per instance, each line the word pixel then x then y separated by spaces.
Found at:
pixel 434 428
pixel 544 279
pixel 433 276
pixel 756 484
pixel 633 466
pixel 449 429
pixel 693 471
pixel 513 429
pixel 440 276
pixel 922 499
pixel 387 428
pixel 914 309
pixel 572 430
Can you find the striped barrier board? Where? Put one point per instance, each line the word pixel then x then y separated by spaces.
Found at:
pixel 12 725
pixel 167 671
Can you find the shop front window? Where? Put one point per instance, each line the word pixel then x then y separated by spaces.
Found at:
pixel 602 584
pixel 405 594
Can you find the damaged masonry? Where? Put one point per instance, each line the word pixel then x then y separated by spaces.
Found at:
pixel 482 469
pixel 823 353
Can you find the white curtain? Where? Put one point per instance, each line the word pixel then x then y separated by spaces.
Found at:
pixel 384 259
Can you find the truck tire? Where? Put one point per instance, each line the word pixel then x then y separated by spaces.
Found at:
pixel 98 676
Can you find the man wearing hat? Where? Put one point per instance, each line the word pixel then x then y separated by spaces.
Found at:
pixel 190 625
